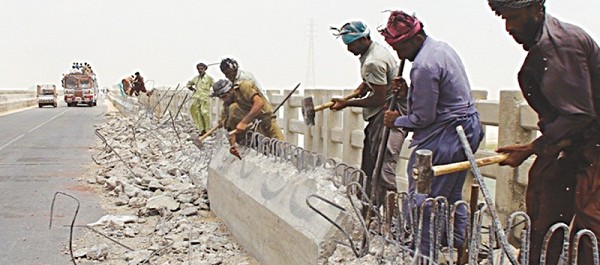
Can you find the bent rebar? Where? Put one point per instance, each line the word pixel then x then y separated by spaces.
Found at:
pixel 476 236
pixel 525 235
pixel 451 221
pixel 351 245
pixel 574 250
pixel 338 177
pixel 566 237
pixel 72 221
pixel 365 245
pixel 349 177
pixel 317 159
pixel 303 161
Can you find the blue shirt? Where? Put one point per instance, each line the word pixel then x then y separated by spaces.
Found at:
pixel 439 91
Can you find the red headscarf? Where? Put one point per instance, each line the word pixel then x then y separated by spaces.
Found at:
pixel 400 26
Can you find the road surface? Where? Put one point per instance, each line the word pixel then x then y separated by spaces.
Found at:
pixel 43 151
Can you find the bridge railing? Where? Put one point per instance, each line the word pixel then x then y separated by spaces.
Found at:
pixel 339 134
pixel 13 100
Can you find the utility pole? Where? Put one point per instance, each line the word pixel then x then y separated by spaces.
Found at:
pixel 310 66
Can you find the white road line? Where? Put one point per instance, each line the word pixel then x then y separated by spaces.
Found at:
pixel 31 130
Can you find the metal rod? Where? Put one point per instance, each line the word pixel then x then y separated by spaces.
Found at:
pixel 107 237
pixel 286 98
pixel 72 221
pixel 376 174
pixel 496 225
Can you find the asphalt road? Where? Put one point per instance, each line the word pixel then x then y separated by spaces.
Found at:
pixel 43 151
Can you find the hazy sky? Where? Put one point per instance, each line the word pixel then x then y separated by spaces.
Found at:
pixel 165 39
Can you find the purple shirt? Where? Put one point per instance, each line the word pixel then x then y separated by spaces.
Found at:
pixel 439 91
pixel 559 79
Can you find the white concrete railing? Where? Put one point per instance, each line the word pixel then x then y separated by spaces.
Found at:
pixel 339 134
pixel 13 100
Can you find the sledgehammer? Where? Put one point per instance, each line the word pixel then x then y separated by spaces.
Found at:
pixel 309 109
pixel 199 141
pixel 423 171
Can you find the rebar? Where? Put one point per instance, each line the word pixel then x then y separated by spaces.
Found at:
pixel 451 221
pixel 72 221
pixel 365 242
pixel 157 251
pixel 575 250
pixel 351 243
pixel 114 151
pixel 566 237
pixel 496 226
pixel 107 237
pixel 525 234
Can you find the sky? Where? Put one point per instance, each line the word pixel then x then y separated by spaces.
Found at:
pixel 164 40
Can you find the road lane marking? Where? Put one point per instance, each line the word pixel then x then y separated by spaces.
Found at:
pixel 31 130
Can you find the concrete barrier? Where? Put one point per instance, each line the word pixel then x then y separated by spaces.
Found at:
pixel 125 105
pixel 262 201
pixel 264 207
pixel 15 100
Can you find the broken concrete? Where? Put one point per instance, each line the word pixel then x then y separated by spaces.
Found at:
pixel 265 209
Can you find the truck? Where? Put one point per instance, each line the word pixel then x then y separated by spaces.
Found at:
pixel 47 95
pixel 80 87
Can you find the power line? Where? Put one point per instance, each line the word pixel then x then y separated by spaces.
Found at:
pixel 310 65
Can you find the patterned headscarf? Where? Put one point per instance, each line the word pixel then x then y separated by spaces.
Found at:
pixel 500 5
pixel 221 87
pixel 352 31
pixel 400 26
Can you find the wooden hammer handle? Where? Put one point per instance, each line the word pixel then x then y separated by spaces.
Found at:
pixel 209 133
pixel 235 131
pixel 460 166
pixel 331 103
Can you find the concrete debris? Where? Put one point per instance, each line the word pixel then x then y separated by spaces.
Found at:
pixel 154 173
pixel 118 220
pixel 98 252
pixel 155 197
pixel 162 201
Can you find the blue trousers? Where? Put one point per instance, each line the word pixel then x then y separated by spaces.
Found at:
pixel 446 148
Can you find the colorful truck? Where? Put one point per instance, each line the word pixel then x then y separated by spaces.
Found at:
pixel 47 95
pixel 80 87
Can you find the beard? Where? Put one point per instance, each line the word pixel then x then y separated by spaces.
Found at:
pixel 527 37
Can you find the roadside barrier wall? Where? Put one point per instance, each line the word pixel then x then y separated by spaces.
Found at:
pixel 13 100
pixel 339 134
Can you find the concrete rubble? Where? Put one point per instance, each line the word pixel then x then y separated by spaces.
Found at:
pixel 153 181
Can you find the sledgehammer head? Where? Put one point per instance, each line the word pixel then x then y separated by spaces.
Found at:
pixel 308 111
pixel 423 171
